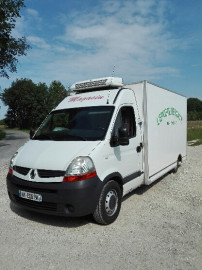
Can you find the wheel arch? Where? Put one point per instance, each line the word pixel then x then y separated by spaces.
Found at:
pixel 116 176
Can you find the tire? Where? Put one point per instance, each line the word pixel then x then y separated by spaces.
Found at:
pixel 109 203
pixel 176 167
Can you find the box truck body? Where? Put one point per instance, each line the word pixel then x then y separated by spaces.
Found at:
pixel 97 145
pixel 164 115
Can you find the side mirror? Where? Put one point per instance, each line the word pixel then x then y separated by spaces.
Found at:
pixel 123 136
pixel 114 141
pixel 31 133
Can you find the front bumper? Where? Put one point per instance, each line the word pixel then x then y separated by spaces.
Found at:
pixel 64 199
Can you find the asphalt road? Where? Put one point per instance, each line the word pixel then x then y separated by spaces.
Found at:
pixel 158 227
pixel 13 140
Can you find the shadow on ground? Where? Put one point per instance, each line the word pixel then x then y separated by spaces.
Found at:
pixel 56 221
pixel 142 189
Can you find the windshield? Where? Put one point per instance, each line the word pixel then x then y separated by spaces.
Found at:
pixel 77 124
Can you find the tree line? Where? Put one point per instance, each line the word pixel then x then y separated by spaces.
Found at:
pixel 29 103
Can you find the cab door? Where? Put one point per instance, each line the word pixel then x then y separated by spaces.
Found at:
pixel 128 158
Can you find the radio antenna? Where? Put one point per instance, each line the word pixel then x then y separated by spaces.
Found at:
pixel 113 71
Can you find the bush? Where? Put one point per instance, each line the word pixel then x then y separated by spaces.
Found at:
pixel 2 134
pixel 194 109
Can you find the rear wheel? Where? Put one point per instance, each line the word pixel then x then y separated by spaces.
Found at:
pixel 109 204
pixel 179 161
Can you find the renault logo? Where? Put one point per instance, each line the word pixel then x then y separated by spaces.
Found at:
pixel 32 174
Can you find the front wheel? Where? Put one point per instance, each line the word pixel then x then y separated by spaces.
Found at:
pixel 109 204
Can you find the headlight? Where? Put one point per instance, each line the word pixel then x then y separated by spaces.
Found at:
pixel 11 163
pixel 81 168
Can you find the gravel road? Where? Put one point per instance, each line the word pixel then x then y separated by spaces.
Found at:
pixel 158 226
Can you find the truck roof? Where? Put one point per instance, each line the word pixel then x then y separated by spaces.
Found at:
pixel 95 98
pixel 139 82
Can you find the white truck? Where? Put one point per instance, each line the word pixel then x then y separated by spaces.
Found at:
pixel 97 145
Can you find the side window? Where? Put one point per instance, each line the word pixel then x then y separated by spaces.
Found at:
pixel 125 118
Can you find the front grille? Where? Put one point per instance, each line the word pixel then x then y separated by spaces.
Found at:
pixel 50 173
pixel 41 173
pixel 49 206
pixel 21 170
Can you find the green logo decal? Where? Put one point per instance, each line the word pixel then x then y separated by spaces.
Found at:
pixel 167 112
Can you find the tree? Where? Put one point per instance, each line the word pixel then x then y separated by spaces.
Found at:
pixel 10 47
pixel 194 109
pixel 57 93
pixel 29 103
pixel 39 107
pixel 194 104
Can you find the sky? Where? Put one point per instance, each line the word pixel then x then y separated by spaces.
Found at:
pixel 154 40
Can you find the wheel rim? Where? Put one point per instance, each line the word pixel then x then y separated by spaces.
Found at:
pixel 111 202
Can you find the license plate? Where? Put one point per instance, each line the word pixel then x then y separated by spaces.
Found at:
pixel 30 196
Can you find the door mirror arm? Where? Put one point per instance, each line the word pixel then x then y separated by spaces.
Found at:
pixel 114 141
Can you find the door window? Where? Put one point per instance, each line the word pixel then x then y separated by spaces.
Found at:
pixel 125 118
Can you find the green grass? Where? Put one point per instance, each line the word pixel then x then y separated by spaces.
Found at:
pixel 194 132
pixel 23 130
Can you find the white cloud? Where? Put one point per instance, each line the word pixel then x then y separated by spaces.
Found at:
pixel 39 42
pixel 19 29
pixel 25 23
pixel 33 14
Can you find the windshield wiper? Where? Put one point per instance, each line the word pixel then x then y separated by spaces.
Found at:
pixel 77 137
pixel 58 138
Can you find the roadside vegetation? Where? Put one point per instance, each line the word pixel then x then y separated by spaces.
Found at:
pixel 194 109
pixel 194 132
pixel 2 134
pixel 194 124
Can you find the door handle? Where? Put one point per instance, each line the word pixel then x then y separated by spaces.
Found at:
pixel 139 148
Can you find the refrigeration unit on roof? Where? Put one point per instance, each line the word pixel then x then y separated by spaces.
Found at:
pixel 98 84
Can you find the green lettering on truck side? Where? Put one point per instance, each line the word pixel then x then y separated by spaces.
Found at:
pixel 167 112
